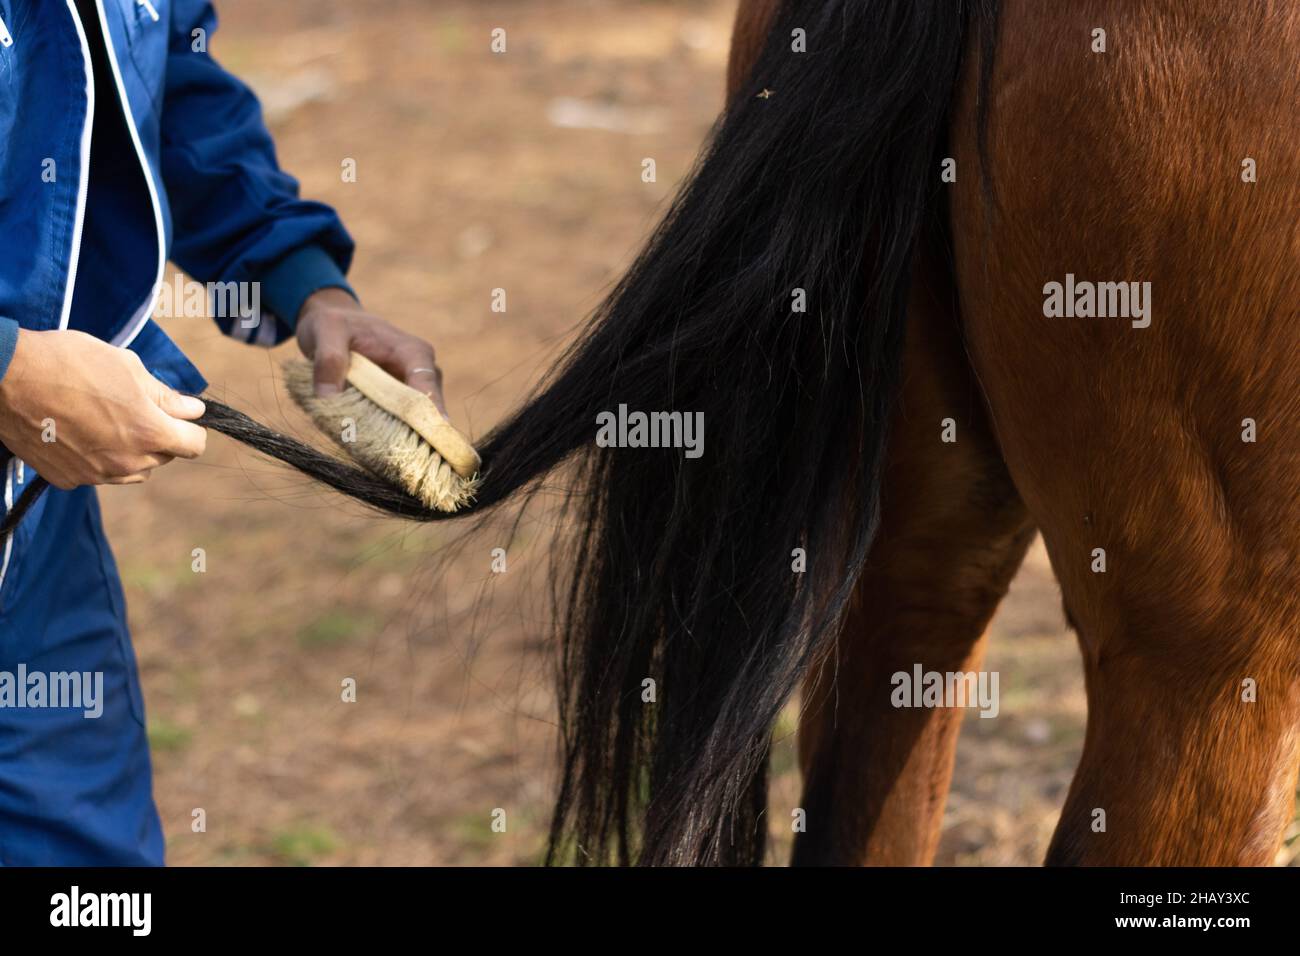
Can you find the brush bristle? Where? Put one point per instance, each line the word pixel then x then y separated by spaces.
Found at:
pixel 381 443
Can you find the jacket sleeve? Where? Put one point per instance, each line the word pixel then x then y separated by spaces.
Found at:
pixel 236 215
pixel 8 342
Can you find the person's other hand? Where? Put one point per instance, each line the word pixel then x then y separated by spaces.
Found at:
pixel 332 323
pixel 83 412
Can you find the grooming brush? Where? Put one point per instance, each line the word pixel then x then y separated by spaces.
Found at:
pixel 392 430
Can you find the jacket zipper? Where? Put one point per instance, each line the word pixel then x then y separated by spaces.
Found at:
pixel 84 182
pixel 149 8
pixel 9 503
pixel 6 38
pixel 132 329
pixel 137 322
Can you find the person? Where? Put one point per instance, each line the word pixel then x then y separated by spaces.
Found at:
pixel 124 143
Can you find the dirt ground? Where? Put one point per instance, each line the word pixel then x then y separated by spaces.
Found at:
pixel 475 171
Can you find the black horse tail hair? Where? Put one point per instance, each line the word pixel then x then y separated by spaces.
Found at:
pixel 769 305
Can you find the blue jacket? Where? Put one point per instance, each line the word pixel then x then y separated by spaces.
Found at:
pixel 121 143
pixel 182 167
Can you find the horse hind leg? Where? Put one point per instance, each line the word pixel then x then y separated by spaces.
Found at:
pixel 953 533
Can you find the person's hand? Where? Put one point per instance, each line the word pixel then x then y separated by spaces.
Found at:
pixel 332 323
pixel 83 412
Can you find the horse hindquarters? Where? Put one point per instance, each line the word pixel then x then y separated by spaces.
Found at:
pixel 1158 453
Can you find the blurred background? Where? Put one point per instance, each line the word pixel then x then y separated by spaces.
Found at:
pixel 475 171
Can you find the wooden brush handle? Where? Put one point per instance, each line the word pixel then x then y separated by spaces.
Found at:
pixel 417 410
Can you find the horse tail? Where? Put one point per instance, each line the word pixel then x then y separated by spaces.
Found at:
pixel 765 320
pixel 770 304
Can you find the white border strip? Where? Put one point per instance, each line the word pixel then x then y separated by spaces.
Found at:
pixel 84 183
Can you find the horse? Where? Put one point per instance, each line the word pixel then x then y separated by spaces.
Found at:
pixel 1127 159
pixel 948 274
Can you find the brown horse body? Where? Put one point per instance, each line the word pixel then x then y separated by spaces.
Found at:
pixel 1108 437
